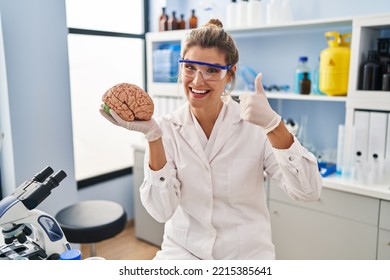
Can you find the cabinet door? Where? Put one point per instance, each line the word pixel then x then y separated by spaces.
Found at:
pixel 384 244
pixel 146 227
pixel 384 231
pixel 300 233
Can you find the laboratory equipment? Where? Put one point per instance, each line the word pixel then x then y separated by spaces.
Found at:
pixel 28 232
pixel 334 64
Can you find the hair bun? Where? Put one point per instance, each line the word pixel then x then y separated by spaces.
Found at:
pixel 215 22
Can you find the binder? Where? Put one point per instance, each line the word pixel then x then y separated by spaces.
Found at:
pixel 377 136
pixel 387 155
pixel 375 167
pixel 361 131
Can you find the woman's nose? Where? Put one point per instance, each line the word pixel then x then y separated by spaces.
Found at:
pixel 198 79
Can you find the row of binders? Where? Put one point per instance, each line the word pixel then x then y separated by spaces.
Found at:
pixel 371 147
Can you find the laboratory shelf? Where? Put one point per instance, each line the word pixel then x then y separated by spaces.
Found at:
pixel 295 96
pixel 294 26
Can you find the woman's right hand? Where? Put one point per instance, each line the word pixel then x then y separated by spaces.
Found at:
pixel 149 128
pixel 255 108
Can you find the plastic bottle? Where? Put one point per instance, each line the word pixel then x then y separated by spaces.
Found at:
pixel 273 12
pixel 340 149
pixel 371 72
pixel 301 68
pixel 285 11
pixel 255 13
pixel 182 22
pixel 163 22
pixel 231 14
pixel 173 22
pixel 383 47
pixel 386 79
pixel 242 13
pixel 305 84
pixel 315 85
pixel 193 21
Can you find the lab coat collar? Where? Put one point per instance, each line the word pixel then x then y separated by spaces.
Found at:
pixel 182 118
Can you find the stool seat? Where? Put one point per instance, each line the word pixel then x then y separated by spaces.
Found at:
pixel 91 221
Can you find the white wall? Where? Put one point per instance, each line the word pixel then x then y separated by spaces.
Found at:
pixel 35 97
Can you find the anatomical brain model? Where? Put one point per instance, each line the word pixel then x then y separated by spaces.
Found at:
pixel 129 101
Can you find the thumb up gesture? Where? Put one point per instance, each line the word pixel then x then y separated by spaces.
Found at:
pixel 256 109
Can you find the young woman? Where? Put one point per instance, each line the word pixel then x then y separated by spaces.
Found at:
pixel 205 162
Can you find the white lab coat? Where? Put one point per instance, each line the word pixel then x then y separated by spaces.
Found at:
pixel 215 206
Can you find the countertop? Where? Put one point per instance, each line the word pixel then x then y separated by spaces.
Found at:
pixel 336 182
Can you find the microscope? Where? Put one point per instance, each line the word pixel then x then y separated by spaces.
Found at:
pixel 30 234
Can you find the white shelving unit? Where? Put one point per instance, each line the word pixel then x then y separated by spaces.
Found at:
pixel 366 30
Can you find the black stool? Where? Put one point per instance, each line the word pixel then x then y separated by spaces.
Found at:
pixel 92 221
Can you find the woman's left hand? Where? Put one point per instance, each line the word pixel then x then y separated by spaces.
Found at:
pixel 255 108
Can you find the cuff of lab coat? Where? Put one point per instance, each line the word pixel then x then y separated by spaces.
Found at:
pixel 159 176
pixel 294 153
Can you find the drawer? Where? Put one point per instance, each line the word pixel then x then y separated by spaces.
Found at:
pixel 384 218
pixel 347 205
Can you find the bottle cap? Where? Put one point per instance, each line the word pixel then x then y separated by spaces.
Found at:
pixel 303 58
pixel 73 254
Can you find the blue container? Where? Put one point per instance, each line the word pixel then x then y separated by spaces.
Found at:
pixel 72 254
pixel 166 63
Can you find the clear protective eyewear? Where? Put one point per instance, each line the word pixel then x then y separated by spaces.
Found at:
pixel 210 72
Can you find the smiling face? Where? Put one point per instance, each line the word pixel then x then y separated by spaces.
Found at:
pixel 201 93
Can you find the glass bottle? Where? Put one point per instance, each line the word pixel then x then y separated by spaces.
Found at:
pixel 172 22
pixel 182 22
pixel 193 21
pixel 301 68
pixel 163 22
pixel 305 84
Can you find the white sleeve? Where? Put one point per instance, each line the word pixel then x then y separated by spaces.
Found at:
pixel 297 172
pixel 160 191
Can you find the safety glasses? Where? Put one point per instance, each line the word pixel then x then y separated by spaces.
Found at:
pixel 210 72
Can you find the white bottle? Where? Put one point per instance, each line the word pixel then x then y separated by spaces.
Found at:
pixel 285 11
pixel 231 14
pixel 273 12
pixel 242 14
pixel 255 13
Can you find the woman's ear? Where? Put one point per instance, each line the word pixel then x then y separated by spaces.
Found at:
pixel 233 69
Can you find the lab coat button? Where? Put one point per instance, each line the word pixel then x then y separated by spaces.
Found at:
pixel 162 179
pixel 290 158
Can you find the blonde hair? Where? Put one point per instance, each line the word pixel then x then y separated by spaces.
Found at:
pixel 212 35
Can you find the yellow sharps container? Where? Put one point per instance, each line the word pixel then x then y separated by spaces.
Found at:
pixel 334 64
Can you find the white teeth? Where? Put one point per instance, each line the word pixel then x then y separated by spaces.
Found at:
pixel 199 91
